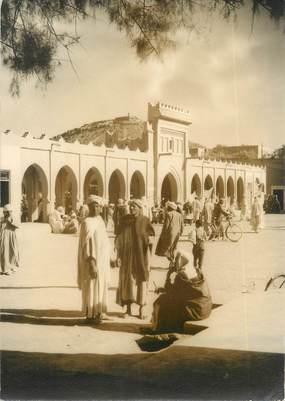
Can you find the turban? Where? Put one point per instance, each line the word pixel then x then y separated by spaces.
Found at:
pixel 171 205
pixel 137 202
pixel 95 199
pixel 182 259
pixel 7 208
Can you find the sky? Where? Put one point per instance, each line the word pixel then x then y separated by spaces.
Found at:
pixel 231 79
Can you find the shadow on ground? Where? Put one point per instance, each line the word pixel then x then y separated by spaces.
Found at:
pixel 54 317
pixel 175 373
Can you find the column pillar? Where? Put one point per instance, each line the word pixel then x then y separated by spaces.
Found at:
pixel 128 183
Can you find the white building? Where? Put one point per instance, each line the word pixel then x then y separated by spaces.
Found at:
pixel 60 171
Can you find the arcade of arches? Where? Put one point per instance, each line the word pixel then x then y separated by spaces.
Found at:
pixel 35 188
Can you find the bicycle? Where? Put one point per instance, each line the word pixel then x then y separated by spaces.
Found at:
pixel 276 282
pixel 233 230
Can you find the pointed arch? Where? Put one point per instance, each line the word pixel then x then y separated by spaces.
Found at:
pixel 66 189
pixel 93 183
pixel 208 183
pixel 34 194
pixel 117 186
pixel 220 188
pixel 196 185
pixel 230 187
pixel 137 186
pixel 169 188
pixel 240 191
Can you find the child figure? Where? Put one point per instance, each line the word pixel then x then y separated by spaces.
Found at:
pixel 199 245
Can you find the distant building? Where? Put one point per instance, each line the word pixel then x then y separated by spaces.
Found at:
pixel 242 152
pixel 258 155
pixel 275 178
pixel 114 159
pixel 197 151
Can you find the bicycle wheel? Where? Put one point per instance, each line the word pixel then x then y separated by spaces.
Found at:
pixel 234 232
pixel 276 282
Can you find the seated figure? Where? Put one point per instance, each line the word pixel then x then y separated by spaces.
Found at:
pixel 185 296
pixel 70 223
pixel 56 221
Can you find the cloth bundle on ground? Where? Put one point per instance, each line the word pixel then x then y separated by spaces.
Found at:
pixel 156 342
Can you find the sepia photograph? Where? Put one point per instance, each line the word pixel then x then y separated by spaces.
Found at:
pixel 142 200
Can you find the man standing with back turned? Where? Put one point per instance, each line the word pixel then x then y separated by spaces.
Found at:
pixel 132 244
pixel 171 231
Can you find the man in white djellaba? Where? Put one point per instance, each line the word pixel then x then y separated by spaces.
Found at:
pixel 94 262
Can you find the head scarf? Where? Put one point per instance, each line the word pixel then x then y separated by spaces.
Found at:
pixel 171 205
pixel 136 202
pixel 7 208
pixel 95 199
pixel 120 202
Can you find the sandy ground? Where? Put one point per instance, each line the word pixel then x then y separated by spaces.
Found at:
pixel 48 348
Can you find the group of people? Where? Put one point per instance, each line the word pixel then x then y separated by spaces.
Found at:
pixel 202 215
pixel 192 210
pixel 185 294
pixel 68 222
pixel 25 214
pixel 62 223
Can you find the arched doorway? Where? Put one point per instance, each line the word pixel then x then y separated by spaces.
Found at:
pixel 169 190
pixel 208 183
pixel 34 195
pixel 240 191
pixel 196 185
pixel 66 189
pixel 209 187
pixel 230 188
pixel 117 186
pixel 137 187
pixel 220 190
pixel 93 183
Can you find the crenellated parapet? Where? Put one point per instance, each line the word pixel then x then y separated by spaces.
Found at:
pixel 59 144
pixel 226 163
pixel 167 112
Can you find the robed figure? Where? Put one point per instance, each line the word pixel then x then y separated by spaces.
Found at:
pixel 185 296
pixel 133 249
pixel 9 249
pixel 94 262
pixel 171 232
